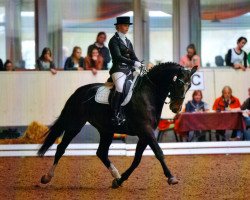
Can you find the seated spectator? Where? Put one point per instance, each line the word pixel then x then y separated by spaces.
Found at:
pixel 227 102
pixel 246 107
pixel 8 66
pixel 236 57
pixel 103 50
pixel 75 61
pixel 93 61
pixel 1 65
pixel 191 59
pixel 197 105
pixel 45 61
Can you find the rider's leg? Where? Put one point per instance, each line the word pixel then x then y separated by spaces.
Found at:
pixel 119 80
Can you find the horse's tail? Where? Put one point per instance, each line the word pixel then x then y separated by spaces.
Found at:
pixel 58 128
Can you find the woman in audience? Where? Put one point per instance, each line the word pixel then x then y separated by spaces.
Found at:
pixel 75 61
pixel 93 61
pixel 236 57
pixel 191 59
pixel 8 65
pixel 45 61
pixel 197 105
pixel 227 102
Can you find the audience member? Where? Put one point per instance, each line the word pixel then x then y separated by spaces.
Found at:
pixel 93 61
pixel 75 61
pixel 103 50
pixel 191 59
pixel 45 61
pixel 197 105
pixel 236 57
pixel 1 65
pixel 8 66
pixel 227 102
pixel 246 107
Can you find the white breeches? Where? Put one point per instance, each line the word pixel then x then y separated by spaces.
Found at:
pixel 119 80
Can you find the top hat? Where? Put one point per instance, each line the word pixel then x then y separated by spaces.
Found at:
pixel 123 20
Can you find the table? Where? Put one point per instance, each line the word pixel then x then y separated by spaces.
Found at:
pixel 209 121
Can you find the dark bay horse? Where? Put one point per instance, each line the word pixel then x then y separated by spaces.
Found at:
pixel 142 113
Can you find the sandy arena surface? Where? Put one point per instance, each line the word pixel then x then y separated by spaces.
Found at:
pixel 201 177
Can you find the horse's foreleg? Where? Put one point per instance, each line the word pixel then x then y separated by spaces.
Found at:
pixel 102 153
pixel 141 146
pixel 68 136
pixel 160 156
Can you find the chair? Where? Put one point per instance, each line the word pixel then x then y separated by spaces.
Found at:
pixel 219 61
pixel 164 126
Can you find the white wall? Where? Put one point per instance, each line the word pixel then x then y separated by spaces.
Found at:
pixel 29 96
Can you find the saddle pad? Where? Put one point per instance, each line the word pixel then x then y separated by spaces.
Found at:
pixel 102 94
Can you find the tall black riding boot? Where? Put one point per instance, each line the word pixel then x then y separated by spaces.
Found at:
pixel 117 117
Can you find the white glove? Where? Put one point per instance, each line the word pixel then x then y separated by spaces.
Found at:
pixel 137 64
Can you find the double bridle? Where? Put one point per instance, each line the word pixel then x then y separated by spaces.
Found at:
pixel 144 72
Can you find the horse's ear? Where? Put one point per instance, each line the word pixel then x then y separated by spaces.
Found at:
pixel 193 70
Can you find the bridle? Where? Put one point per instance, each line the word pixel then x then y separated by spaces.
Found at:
pixel 144 72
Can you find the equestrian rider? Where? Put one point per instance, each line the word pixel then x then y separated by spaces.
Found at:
pixel 124 61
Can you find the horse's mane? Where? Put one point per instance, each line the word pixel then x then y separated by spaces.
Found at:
pixel 163 66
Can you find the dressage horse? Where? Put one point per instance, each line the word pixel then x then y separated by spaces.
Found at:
pixel 142 117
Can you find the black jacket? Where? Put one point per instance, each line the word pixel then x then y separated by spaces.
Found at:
pixel 229 56
pixel 123 56
pixel 246 105
pixel 104 51
pixel 69 64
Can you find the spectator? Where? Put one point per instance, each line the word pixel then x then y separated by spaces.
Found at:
pixel 103 50
pixel 75 61
pixel 191 59
pixel 45 61
pixel 197 105
pixel 8 66
pixel 93 61
pixel 1 65
pixel 246 107
pixel 236 57
pixel 227 102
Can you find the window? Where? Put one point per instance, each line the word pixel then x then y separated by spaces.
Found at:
pixel 226 22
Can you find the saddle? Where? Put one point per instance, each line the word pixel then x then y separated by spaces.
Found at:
pixel 105 93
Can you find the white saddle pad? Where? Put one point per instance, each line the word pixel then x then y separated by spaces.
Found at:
pixel 102 94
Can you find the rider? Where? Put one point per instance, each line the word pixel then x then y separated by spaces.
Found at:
pixel 124 61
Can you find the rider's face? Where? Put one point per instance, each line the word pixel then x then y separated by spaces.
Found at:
pixel 123 28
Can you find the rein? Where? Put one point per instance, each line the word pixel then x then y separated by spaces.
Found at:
pixel 144 72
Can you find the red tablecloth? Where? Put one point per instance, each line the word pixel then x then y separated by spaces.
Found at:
pixel 209 121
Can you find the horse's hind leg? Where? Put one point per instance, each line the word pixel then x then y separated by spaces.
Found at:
pixel 141 146
pixel 67 137
pixel 102 153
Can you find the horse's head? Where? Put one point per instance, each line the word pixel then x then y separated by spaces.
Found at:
pixel 180 85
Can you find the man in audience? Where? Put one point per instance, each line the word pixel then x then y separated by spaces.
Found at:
pixel 103 50
pixel 227 102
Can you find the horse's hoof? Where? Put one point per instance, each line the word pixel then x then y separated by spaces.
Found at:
pixel 115 184
pixel 46 179
pixel 172 181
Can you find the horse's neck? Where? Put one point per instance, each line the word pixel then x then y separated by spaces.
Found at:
pixel 151 92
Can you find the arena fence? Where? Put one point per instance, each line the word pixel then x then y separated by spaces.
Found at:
pixel 122 149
